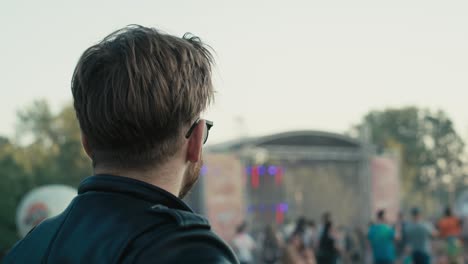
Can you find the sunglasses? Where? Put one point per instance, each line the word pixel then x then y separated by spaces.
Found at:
pixel 206 131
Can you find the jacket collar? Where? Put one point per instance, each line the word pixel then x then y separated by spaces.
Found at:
pixel 132 187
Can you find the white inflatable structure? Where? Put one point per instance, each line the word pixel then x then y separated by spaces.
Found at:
pixel 41 203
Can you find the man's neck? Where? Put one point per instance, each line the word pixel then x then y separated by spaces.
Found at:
pixel 164 177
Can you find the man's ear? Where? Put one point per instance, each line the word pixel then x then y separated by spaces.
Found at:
pixel 84 142
pixel 195 142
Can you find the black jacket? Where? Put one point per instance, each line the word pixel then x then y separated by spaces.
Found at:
pixel 121 220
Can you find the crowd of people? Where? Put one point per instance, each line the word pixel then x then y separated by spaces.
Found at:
pixel 408 240
pixel 301 241
pixel 417 240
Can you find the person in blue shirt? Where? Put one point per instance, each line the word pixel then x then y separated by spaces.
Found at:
pixel 382 237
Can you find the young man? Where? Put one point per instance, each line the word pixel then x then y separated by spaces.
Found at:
pixel 138 96
pixel 418 238
pixel 382 238
pixel 450 229
pixel 401 243
pixel 244 245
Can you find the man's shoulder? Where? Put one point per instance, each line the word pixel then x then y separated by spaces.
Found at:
pixel 379 227
pixel 386 228
pixel 180 217
pixel 186 237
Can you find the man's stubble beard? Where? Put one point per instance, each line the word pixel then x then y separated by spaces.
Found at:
pixel 190 178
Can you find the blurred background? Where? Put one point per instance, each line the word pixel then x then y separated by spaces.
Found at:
pixel 344 107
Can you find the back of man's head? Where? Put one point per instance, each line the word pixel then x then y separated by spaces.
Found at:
pixel 381 215
pixel 415 213
pixel 134 93
pixel 326 216
pixel 448 211
pixel 311 223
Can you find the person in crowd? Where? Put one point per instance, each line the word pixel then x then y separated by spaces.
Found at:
pixel 310 234
pixel 465 238
pixel 418 235
pixel 288 229
pixel 244 244
pixel 400 245
pixel 138 96
pixel 382 237
pixel 302 230
pixel 271 245
pixel 328 250
pixel 361 245
pixel 341 239
pixel 450 229
pixel 352 251
pixel 326 217
pixel 296 252
pixel 301 225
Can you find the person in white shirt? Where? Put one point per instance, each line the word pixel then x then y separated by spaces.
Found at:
pixel 244 245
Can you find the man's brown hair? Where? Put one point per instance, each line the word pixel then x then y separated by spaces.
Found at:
pixel 134 92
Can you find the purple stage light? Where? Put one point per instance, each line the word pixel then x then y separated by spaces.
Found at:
pixel 283 207
pixel 248 170
pixel 261 170
pixel 272 170
pixel 204 170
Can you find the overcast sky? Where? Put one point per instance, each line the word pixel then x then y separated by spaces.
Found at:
pixel 281 65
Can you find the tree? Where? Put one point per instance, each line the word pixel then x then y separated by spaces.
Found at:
pixel 46 150
pixel 430 150
pixel 54 151
pixel 13 187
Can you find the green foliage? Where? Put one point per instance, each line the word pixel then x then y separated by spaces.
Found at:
pixel 46 150
pixel 13 178
pixel 429 148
